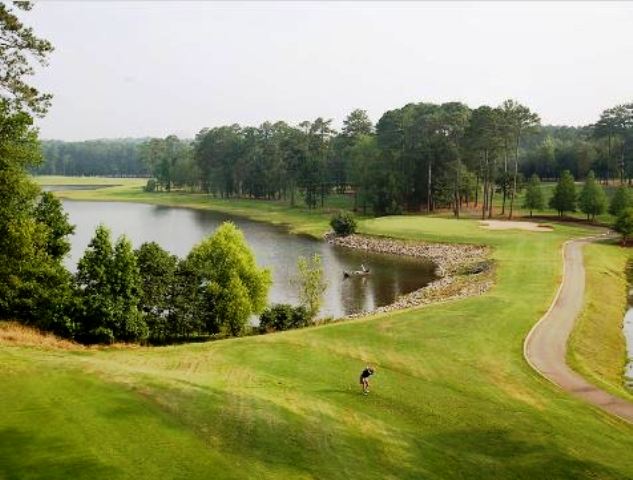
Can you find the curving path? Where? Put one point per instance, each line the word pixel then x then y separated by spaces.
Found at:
pixel 546 344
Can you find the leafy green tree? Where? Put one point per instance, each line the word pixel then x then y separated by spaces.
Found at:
pixel 49 212
pixel 622 198
pixel 109 283
pixel 311 283
pixel 534 199
pixel 592 200
pixel 231 284
pixel 19 48
pixel 564 198
pixel 624 224
pixel 157 269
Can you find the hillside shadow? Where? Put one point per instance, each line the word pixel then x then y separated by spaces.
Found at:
pixel 497 453
pixel 45 457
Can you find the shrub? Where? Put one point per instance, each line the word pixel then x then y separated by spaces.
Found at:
pixel 283 317
pixel 150 186
pixel 343 223
pixel 624 224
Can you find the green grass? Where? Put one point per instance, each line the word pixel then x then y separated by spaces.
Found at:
pixel 299 218
pixel 453 396
pixel 596 347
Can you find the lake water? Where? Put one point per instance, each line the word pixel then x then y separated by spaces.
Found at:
pixel 178 229
pixel 628 335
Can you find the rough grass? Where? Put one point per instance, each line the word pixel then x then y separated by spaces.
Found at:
pixel 13 333
pixel 596 347
pixel 453 396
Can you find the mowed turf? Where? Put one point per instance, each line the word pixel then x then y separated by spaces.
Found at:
pixel 452 398
pixel 596 347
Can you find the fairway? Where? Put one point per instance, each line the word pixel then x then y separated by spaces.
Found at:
pixel 453 396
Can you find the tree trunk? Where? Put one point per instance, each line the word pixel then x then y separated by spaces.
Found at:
pixel 516 173
pixel 429 189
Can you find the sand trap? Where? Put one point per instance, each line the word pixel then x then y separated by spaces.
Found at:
pixel 508 225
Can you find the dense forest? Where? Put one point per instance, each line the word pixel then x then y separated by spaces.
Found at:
pixel 110 158
pixel 419 157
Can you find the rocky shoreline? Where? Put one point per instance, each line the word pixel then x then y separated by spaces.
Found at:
pixel 463 270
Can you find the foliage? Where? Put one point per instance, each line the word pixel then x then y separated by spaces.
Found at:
pixel 343 223
pixel 534 195
pixel 311 284
pixel 283 317
pixel 231 287
pixel 109 285
pixel 113 157
pixel 592 199
pixel 564 197
pixel 150 186
pixel 622 198
pixel 19 47
pixel 157 269
pixel 624 224
pixel 49 212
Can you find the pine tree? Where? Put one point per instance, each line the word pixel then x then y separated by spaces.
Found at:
pixel 622 199
pixel 564 198
pixel 534 195
pixel 592 199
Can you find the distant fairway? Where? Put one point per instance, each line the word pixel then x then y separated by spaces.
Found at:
pixel 453 396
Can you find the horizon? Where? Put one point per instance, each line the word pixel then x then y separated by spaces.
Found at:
pixel 147 69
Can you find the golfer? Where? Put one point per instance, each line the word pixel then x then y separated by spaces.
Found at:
pixel 364 378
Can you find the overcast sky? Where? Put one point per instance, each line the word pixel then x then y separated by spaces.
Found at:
pixel 132 69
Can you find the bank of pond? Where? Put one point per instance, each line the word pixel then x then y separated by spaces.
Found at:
pixel 178 230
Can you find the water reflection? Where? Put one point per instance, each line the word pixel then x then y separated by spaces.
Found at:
pixel 178 229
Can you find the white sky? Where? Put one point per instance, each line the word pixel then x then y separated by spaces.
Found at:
pixel 132 69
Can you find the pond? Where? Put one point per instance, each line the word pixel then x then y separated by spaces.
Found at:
pixel 179 229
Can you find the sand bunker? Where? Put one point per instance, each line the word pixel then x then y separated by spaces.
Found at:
pixel 508 225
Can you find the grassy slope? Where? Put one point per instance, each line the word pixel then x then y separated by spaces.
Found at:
pixel 596 346
pixel 453 397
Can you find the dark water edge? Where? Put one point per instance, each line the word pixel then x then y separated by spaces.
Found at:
pixel 178 229
pixel 60 188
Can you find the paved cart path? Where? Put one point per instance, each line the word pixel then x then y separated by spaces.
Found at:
pixel 546 345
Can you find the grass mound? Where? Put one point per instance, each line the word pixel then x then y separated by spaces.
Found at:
pixel 453 396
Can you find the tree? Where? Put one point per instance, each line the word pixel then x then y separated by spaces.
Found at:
pixel 564 198
pixel 624 224
pixel 18 47
pixel 356 124
pixel 49 212
pixel 622 198
pixel 109 282
pixel 534 195
pixel 592 200
pixel 311 284
pixel 157 269
pixel 518 120
pixel 230 282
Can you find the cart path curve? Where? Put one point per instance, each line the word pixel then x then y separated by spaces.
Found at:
pixel 545 346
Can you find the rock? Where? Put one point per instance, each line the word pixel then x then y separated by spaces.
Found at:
pixel 452 262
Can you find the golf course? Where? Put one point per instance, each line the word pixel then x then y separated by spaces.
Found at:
pixel 453 396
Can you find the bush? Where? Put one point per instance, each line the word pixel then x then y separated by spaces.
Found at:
pixel 343 223
pixel 624 224
pixel 283 317
pixel 150 186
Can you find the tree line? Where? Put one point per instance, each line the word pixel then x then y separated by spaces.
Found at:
pixel 420 157
pixel 108 158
